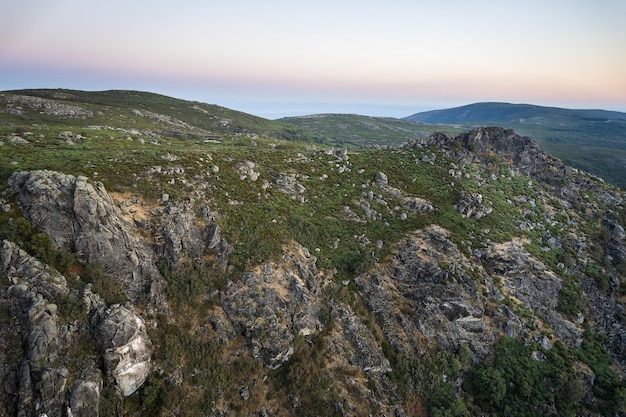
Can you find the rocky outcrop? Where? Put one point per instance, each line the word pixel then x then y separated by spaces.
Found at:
pixel 428 294
pixel 273 304
pixel 125 346
pixel 246 171
pixel 18 104
pixel 523 277
pixel 529 282
pixel 41 383
pixel 85 396
pixel 289 184
pixel 355 342
pixel 81 217
pixel 42 377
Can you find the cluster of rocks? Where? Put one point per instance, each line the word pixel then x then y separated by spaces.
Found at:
pixel 184 233
pixel 428 290
pixel 288 184
pixel 246 171
pixel 275 303
pixel 162 118
pixel 471 206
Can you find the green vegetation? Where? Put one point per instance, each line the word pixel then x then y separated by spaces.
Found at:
pixel 359 132
pixel 431 381
pixel 530 379
pixel 16 229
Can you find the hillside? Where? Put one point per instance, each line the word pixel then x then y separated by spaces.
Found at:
pixel 593 140
pixel 357 131
pixel 161 257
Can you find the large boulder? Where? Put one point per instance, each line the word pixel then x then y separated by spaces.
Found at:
pixel 125 346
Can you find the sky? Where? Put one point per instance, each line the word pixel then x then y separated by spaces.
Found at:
pixel 276 58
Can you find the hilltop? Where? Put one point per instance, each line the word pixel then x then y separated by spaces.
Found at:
pixel 164 257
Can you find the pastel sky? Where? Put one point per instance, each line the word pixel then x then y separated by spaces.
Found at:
pixel 276 58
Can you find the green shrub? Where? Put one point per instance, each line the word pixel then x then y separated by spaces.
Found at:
pixel 571 298
pixel 70 308
pixel 108 287
pixel 487 386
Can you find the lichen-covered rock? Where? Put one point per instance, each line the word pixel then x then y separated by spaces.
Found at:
pixel 81 217
pixel 288 184
pixel 354 341
pixel 524 277
pixel 182 236
pixel 125 346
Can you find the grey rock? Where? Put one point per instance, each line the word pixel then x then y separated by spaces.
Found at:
pixel 381 179
pixel 426 291
pixel 19 267
pixel 41 384
pixel 246 171
pixel 524 277
pixel 15 104
pixel 471 206
pixel 125 346
pixel 288 184
pixel 417 205
pixel 85 396
pixel 356 342
pixel 81 217
pixel 222 325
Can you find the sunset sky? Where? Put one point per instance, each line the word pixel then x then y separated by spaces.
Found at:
pixel 276 58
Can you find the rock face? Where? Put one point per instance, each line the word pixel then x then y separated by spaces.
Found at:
pixel 427 293
pixel 356 342
pixel 125 346
pixel 80 217
pixel 180 237
pixel 84 400
pixel 274 304
pixel 41 380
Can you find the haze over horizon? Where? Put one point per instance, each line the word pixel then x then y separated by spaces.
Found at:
pixel 286 58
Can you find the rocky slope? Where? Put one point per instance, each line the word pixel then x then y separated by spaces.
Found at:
pixel 466 275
